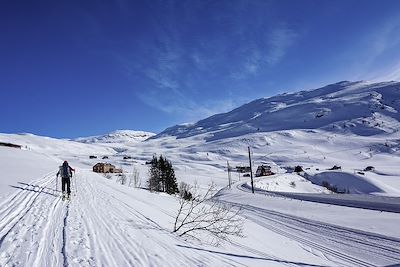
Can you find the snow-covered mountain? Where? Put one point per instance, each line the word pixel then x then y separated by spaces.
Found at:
pixel 360 107
pixel 118 136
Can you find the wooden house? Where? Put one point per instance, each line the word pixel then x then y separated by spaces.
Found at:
pixel 243 169
pixel 264 170
pixel 104 168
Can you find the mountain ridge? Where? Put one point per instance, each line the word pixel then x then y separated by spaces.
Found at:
pixel 361 107
pixel 117 136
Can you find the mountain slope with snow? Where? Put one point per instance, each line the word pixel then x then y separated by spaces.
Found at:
pixel 53 146
pixel 118 136
pixel 118 140
pixel 358 107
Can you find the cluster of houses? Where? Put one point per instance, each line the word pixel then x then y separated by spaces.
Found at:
pixel 95 157
pixel 263 170
pixel 106 157
pixel 106 167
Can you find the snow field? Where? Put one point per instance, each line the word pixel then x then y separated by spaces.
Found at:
pixel 106 224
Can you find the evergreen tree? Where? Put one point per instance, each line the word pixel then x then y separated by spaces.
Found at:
pixel 162 169
pixel 162 176
pixel 154 175
pixel 171 186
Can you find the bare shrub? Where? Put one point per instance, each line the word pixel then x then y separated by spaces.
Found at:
pixel 185 191
pixel 134 178
pixel 107 176
pixel 330 187
pixel 202 218
pixel 293 184
pixel 122 179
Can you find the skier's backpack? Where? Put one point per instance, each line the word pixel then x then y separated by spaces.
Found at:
pixel 65 171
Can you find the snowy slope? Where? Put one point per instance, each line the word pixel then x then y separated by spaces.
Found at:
pixel 19 167
pixel 118 136
pixel 118 140
pixel 53 146
pixel 358 107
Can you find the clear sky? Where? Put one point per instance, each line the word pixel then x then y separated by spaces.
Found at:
pixel 77 68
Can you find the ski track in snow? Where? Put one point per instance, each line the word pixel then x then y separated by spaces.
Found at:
pixel 94 228
pixel 341 245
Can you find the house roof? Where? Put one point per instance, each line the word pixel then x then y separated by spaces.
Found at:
pixel 104 164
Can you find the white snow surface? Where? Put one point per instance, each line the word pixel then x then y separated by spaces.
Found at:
pixel 19 166
pixel 288 182
pixel 291 220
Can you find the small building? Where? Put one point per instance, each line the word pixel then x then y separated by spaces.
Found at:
pixel 298 169
pixel 369 168
pixel 104 168
pixel 335 167
pixel 9 145
pixel 243 169
pixel 264 170
pixel 117 170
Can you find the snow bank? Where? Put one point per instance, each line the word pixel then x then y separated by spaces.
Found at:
pixel 345 182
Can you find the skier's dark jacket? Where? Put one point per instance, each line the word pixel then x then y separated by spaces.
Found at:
pixel 65 170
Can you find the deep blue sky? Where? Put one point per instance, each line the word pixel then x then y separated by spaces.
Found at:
pixel 77 68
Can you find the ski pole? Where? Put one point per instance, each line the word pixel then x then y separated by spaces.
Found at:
pixel 76 191
pixel 76 188
pixel 73 185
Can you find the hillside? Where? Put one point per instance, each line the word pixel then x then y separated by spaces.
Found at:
pixel 361 108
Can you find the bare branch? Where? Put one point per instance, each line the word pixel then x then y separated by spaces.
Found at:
pixel 201 217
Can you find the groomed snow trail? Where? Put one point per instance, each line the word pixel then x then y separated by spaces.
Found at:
pixel 32 225
pixel 94 228
pixel 342 246
pixel 104 224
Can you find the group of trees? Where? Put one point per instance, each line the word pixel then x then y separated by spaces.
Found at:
pixel 128 179
pixel 162 176
pixel 131 180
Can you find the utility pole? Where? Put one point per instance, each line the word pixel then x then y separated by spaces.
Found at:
pixel 229 174
pixel 251 172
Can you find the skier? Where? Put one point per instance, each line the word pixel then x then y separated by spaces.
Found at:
pixel 66 173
